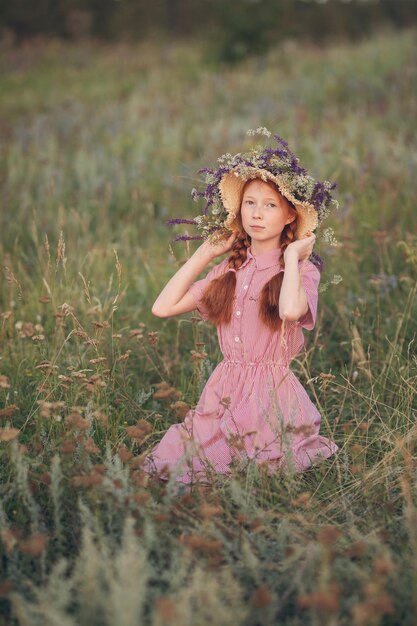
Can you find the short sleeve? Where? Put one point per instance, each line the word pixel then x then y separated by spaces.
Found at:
pixel 197 288
pixel 310 278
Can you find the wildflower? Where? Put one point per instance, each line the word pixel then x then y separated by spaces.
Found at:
pixel 8 434
pixel 180 408
pixel 5 587
pixel 139 431
pixel 90 447
pixel 80 374
pixel 140 498
pixel 46 365
pixel 383 565
pixel 370 609
pixel 9 538
pixel 197 356
pixel 65 379
pixel 165 391
pixel 8 411
pixel 67 447
pixel 261 597
pixel 124 453
pixel 88 480
pixel 34 545
pixel 81 333
pixel 302 499
pixel 166 608
pixel 236 441
pixel 76 422
pixel 326 600
pixel 200 543
pixel 104 324
pixel 328 535
pixel 98 415
pixel 27 330
pixel 4 382
pixel 225 402
pixel 47 409
pixel 125 356
pixel 38 338
pixel 136 332
pixel 94 382
pixel 208 511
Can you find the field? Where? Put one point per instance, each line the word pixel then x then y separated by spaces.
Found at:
pixel 100 146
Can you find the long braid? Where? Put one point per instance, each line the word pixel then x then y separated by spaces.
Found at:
pixel 219 294
pixel 269 298
pixel 239 250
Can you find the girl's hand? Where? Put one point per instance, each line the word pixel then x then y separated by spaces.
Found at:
pixel 215 250
pixel 302 247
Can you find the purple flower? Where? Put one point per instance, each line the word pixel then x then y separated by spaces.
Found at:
pixel 180 220
pixel 208 204
pixel 188 237
pixel 318 261
pixel 197 194
pixel 281 141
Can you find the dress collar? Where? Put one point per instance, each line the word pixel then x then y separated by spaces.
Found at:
pixel 264 259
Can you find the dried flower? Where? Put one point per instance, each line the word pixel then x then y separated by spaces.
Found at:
pixel 8 411
pixel 34 545
pixel 261 597
pixel 8 434
pixel 4 382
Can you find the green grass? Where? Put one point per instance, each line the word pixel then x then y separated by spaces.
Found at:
pixel 100 145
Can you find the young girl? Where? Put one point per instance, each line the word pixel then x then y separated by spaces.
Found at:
pixel 260 297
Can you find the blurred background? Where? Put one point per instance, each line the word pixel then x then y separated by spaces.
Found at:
pixel 233 30
pixel 107 111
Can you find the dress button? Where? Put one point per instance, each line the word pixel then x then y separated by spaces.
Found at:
pixel 236 338
pixel 245 286
pixel 237 312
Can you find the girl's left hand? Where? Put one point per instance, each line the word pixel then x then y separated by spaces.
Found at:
pixel 303 247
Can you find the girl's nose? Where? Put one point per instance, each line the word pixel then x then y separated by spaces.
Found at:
pixel 257 211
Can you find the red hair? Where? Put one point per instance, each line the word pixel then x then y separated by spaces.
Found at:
pixel 218 295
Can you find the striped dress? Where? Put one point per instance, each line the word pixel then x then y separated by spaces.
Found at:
pixel 253 407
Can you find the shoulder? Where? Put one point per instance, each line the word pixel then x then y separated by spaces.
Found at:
pixel 218 269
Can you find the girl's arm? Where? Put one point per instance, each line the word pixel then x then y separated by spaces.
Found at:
pixel 293 302
pixel 174 299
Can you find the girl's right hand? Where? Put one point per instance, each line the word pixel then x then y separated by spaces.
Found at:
pixel 221 247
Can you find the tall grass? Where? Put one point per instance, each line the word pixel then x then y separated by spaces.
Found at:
pixel 100 145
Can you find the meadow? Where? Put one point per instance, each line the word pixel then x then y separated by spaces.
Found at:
pixel 100 145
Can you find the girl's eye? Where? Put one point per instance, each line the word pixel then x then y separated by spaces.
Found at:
pixel 272 204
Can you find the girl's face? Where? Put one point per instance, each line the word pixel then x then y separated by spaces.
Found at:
pixel 263 206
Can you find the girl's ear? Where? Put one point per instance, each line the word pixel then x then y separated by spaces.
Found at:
pixel 291 218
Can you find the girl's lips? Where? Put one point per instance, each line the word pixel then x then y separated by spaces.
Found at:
pixel 257 226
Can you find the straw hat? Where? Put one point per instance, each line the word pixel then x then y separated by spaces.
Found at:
pixel 232 183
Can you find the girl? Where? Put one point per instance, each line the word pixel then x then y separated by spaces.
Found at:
pixel 260 297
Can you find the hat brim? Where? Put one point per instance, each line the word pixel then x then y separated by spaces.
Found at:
pixel 231 185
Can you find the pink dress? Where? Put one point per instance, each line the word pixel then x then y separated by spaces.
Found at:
pixel 252 406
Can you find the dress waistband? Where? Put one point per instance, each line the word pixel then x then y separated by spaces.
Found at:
pixel 251 363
